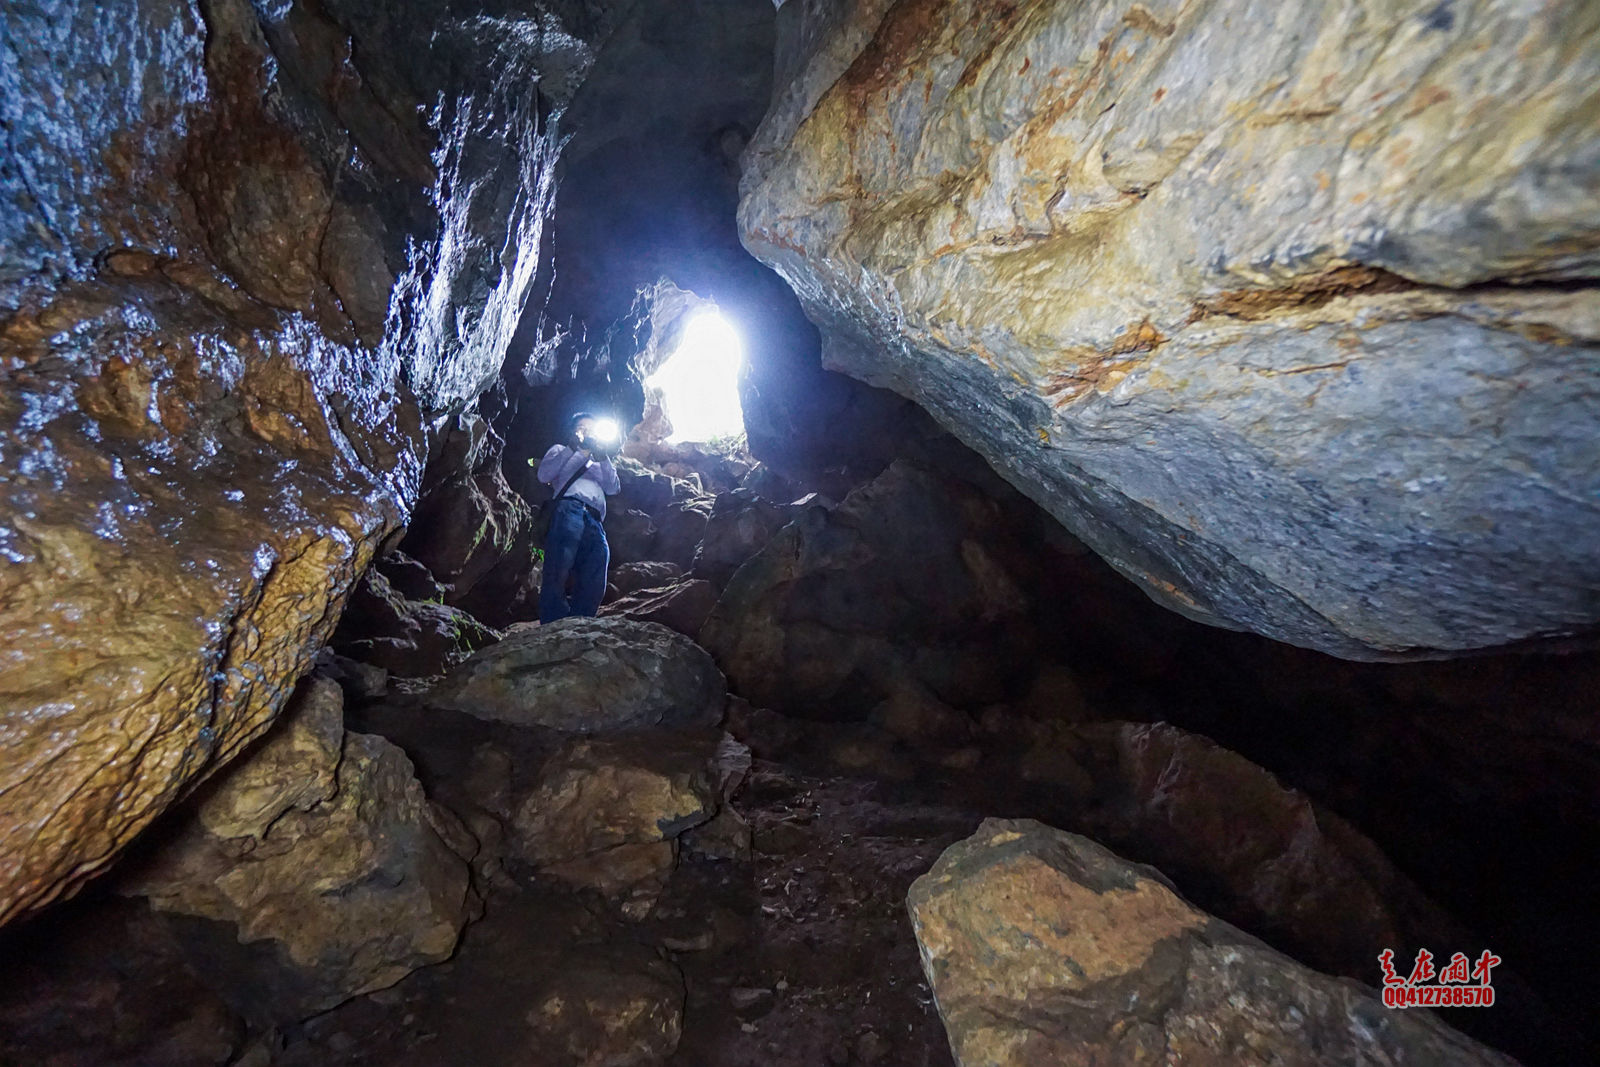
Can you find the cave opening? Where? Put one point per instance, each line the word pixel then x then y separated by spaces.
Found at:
pixel 1014 536
pixel 698 382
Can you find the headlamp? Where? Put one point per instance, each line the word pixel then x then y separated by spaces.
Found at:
pixel 604 432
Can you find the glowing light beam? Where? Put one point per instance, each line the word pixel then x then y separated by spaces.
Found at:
pixel 699 382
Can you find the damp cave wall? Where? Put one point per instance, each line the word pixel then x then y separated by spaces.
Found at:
pixel 248 339
pixel 252 256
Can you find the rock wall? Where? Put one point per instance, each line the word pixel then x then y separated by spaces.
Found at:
pixel 1286 311
pixel 211 411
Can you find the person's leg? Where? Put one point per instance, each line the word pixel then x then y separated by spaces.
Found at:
pixel 594 559
pixel 561 546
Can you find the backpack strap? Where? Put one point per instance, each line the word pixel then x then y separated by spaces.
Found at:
pixel 573 480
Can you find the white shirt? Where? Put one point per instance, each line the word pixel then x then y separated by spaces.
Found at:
pixel 599 479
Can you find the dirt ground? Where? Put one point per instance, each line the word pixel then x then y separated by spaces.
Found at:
pixel 799 955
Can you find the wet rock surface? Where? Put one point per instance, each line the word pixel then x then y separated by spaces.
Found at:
pixel 1043 947
pixel 1235 308
pixel 206 430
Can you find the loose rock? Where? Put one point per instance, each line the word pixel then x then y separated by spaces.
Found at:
pixel 1044 948
pixel 322 854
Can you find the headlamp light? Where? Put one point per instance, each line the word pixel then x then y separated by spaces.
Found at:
pixel 604 432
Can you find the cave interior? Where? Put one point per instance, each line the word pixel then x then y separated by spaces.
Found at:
pixel 297 294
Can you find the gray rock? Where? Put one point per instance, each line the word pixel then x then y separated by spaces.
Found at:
pixel 647 574
pixel 582 675
pixel 1280 323
pixel 682 606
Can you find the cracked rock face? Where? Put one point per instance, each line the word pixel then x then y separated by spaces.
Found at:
pixel 1285 311
pixel 1043 948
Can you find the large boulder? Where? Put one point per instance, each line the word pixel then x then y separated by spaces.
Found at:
pixel 205 431
pixel 323 857
pixel 914 577
pixel 1042 947
pixel 1258 852
pixel 606 813
pixel 1294 326
pixel 583 675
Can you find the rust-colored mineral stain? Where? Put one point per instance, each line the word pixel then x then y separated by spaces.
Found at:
pixel 1303 295
pixel 1032 916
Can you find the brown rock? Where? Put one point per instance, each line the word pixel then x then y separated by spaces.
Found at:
pixel 410 578
pixel 198 453
pixel 1118 248
pixel 409 638
pixel 471 529
pixel 682 606
pixel 1044 948
pixel 606 813
pixel 106 985
pixel 646 574
pixel 321 845
pixel 609 1008
pixel 1258 853
pixel 916 716
pixel 741 523
pixel 586 675
pixel 911 579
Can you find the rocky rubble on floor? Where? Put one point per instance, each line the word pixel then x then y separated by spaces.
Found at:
pixel 616 1007
pixel 1044 948
pixel 114 990
pixel 322 868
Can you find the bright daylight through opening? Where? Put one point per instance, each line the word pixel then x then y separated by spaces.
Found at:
pixel 699 382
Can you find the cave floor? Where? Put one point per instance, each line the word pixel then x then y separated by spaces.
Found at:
pixel 800 954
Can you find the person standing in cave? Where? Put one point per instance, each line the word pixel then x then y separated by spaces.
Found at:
pixel 581 474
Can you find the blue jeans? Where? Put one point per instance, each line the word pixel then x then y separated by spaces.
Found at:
pixel 575 547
